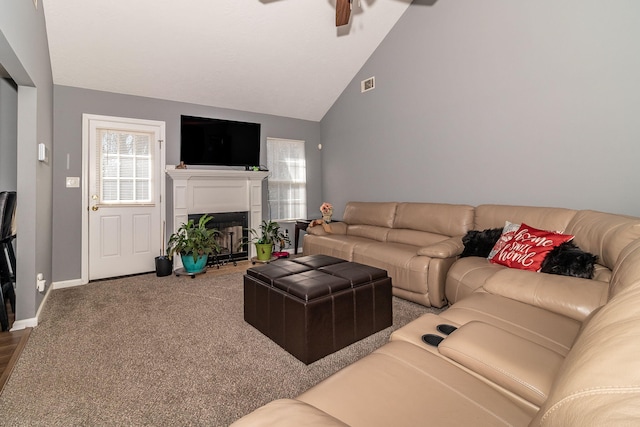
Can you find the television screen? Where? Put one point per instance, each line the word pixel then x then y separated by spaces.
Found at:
pixel 216 142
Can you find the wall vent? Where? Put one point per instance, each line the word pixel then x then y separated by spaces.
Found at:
pixel 367 84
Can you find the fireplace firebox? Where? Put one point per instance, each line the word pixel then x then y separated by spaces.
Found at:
pixel 233 228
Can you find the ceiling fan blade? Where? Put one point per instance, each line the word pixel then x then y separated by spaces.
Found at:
pixel 343 12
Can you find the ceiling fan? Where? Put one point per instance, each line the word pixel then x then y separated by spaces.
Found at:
pixel 343 12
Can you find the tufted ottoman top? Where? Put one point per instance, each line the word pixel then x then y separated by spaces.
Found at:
pixel 315 276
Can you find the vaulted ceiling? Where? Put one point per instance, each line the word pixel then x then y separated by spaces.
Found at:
pixel 280 57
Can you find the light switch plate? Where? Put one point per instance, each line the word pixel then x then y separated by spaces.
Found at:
pixel 73 182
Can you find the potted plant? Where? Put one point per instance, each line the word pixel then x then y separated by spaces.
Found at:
pixel 264 240
pixel 194 242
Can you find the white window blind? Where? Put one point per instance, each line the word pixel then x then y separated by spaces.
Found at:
pixel 287 179
pixel 124 167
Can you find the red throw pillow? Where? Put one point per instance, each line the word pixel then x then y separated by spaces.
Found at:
pixel 528 248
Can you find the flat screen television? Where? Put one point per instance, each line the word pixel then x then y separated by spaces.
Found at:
pixel 216 142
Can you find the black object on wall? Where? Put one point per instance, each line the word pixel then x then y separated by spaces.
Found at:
pixel 216 142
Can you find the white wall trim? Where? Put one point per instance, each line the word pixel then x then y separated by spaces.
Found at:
pixel 32 322
pixel 67 284
pixel 18 325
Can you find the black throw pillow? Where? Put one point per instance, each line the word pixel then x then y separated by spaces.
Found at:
pixel 480 243
pixel 567 259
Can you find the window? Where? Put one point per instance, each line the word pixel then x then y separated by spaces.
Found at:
pixel 125 166
pixel 287 179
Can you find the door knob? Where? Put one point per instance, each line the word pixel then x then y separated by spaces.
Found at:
pixel 94 208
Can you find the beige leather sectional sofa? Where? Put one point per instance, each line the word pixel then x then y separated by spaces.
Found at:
pixel 528 349
pixel 415 242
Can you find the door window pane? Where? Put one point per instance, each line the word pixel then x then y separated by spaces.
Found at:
pixel 125 167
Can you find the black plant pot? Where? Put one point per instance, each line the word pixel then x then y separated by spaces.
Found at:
pixel 164 266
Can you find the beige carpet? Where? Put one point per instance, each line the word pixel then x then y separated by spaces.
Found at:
pixel 146 350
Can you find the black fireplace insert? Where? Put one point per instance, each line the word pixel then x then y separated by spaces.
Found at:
pixel 233 230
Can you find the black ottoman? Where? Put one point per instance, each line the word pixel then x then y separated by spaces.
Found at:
pixel 315 305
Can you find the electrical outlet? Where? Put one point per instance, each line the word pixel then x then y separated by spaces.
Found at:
pixel 40 282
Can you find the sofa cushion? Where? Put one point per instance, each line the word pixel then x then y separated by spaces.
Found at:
pixel 380 214
pixel 288 413
pixel 414 237
pixel 569 296
pixel 599 382
pixel 438 218
pixel 491 216
pixel 400 384
pixel 603 234
pixel 336 245
pixel 514 363
pixel 626 274
pixel 549 329
pixel 404 266
pixel 466 275
pixel 372 232
pixel 602 273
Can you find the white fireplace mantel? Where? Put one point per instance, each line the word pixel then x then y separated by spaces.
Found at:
pixel 200 191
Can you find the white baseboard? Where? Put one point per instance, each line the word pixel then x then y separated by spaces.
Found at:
pixel 33 321
pixel 67 284
pixel 19 325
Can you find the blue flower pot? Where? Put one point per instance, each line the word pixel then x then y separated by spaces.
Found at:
pixel 191 266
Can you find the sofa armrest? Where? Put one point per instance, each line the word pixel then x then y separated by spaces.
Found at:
pixel 448 248
pixel 515 363
pixel 336 227
pixel 288 412
pixel 572 297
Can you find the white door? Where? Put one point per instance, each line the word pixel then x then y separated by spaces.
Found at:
pixel 125 184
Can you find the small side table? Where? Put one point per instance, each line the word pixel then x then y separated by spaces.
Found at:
pixel 301 224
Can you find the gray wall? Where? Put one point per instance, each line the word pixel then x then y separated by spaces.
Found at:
pixel 71 103
pixel 8 134
pixel 24 53
pixel 495 101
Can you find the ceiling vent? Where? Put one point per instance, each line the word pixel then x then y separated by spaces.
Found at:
pixel 367 84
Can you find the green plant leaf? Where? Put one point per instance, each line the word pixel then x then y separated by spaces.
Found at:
pixel 194 239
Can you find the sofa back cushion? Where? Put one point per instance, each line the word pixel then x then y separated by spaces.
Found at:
pixel 438 218
pixel 413 237
pixel 379 214
pixel 626 273
pixel 552 219
pixel 599 381
pixel 603 234
pixel 372 232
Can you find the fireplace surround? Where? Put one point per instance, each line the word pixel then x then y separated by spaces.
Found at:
pixel 199 191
